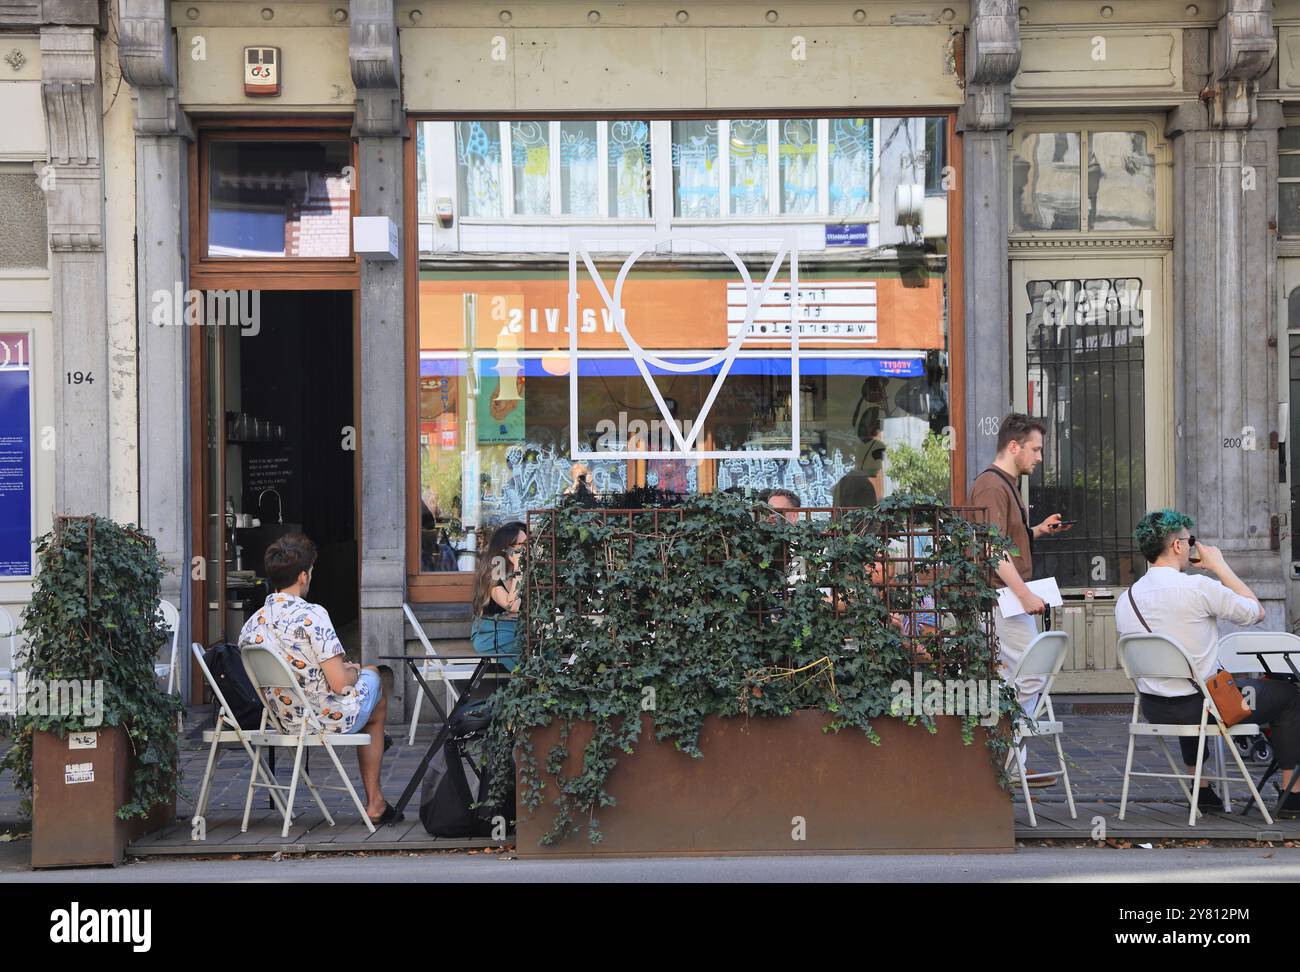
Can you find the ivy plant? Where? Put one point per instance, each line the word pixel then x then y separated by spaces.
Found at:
pixel 94 616
pixel 716 606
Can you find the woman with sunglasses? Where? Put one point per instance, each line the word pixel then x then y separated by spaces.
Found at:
pixel 498 592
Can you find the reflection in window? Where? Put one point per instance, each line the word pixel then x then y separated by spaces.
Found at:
pixel 579 169
pixel 798 154
pixel 695 169
pixel 936 155
pixel 629 169
pixel 530 161
pixel 851 153
pixel 279 198
pixel 748 164
pixel 478 168
pixel 1045 182
pixel 1085 379
pixel 1121 182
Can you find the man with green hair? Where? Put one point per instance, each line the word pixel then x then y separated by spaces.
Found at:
pixel 1188 608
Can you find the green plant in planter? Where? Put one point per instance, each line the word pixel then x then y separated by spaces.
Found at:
pixel 715 608
pixel 94 616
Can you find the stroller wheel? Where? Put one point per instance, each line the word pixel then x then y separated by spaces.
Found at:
pixel 1245 744
pixel 1262 752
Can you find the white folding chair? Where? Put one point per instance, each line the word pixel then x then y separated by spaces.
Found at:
pixel 435 669
pixel 1159 656
pixel 226 730
pixel 268 670
pixel 167 669
pixel 1044 657
pixel 9 655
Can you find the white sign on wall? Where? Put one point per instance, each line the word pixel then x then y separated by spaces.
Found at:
pixel 843 310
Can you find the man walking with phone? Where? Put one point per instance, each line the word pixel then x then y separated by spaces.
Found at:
pixel 996 490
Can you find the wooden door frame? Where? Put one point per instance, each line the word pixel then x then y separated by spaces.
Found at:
pixel 234 273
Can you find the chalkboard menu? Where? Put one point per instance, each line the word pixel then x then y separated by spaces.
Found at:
pixel 271 465
pixel 16 501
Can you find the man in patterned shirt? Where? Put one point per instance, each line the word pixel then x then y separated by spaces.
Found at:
pixel 344 696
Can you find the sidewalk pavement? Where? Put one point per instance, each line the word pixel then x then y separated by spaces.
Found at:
pixel 1095 747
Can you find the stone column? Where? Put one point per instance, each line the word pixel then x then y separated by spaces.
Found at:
pixel 992 60
pixel 148 55
pixel 1225 311
pixel 73 96
pixel 381 129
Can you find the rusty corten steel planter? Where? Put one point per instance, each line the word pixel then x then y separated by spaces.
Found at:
pixel 76 823
pixel 914 792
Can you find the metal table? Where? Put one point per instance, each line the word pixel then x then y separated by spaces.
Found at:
pixel 414 663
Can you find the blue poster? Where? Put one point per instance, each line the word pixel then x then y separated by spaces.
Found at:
pixel 15 455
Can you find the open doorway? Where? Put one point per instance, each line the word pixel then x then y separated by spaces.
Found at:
pixel 281 454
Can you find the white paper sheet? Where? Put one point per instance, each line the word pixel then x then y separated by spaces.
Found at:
pixel 1045 588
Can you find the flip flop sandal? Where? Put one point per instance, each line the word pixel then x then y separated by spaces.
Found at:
pixel 391 815
pixel 388 742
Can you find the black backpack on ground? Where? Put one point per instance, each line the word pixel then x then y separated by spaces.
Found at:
pixel 447 798
pixel 226 664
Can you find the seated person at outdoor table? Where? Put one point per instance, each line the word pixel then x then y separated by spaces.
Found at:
pixel 498 593
pixel 345 697
pixel 1187 608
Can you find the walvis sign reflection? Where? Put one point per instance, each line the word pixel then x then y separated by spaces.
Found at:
pixel 686 434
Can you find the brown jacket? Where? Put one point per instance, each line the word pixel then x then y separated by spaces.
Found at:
pixel 993 492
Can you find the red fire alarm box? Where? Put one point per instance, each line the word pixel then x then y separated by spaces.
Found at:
pixel 261 71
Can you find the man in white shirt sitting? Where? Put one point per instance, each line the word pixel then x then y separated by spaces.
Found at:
pixel 1187 608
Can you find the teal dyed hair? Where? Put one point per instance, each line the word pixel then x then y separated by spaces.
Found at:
pixel 1154 530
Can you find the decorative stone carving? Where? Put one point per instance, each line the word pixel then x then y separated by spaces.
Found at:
pixel 992 60
pixel 376 67
pixel 71 89
pixel 1244 48
pixel 16 59
pixel 147 50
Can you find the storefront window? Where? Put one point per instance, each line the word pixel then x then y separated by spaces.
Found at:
pixel 530 161
pixel 867 416
pixel 285 198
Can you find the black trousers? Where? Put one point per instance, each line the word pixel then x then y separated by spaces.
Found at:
pixel 1277 705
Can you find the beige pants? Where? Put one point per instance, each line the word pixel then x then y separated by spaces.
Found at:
pixel 1014 635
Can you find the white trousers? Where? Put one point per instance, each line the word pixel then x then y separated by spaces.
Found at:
pixel 1014 635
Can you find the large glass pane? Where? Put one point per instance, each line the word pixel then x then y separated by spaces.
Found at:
pixel 798 155
pixel 1121 182
pixel 749 156
pixel 1045 182
pixel 530 158
pixel 478 168
pixel 279 198
pixel 495 425
pixel 851 151
pixel 1085 374
pixel 579 169
pixel 629 169
pixel 695 169
pixel 1288 208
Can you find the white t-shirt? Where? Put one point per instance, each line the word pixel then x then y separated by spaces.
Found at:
pixel 1187 608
